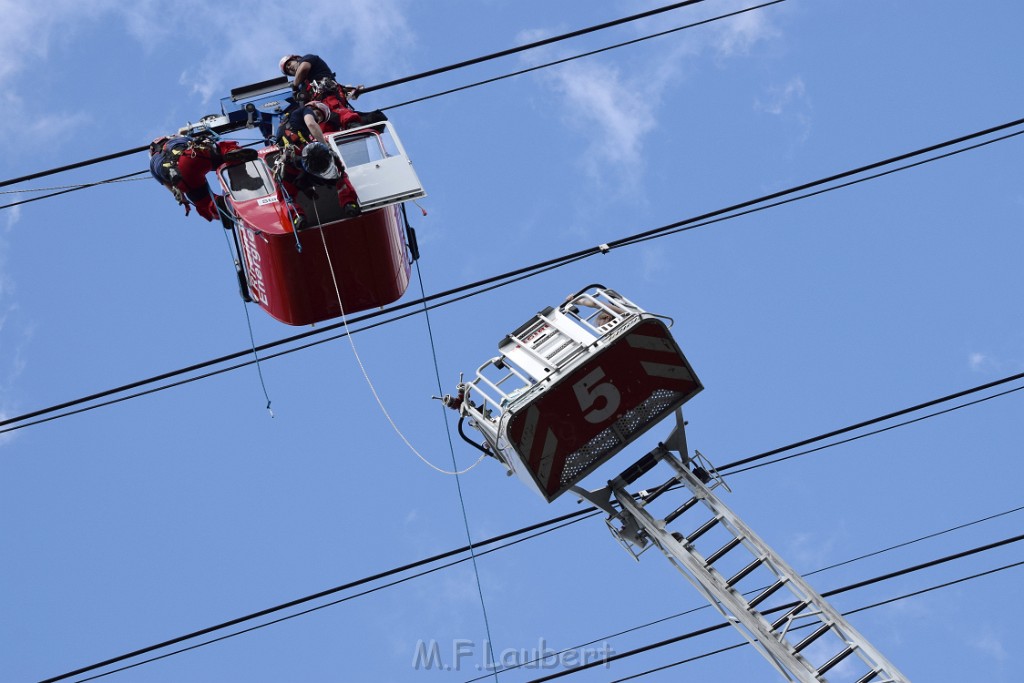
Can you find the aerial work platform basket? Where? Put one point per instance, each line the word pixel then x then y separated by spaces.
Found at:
pixel 573 386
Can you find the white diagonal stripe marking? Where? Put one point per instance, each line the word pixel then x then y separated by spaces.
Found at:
pixel 645 341
pixel 547 458
pixel 663 370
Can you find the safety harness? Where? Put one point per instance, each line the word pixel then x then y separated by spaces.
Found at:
pixel 175 148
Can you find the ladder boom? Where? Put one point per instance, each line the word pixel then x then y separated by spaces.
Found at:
pixel 572 388
pixel 739 574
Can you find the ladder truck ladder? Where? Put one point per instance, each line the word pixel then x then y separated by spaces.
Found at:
pixel 579 383
pixel 774 608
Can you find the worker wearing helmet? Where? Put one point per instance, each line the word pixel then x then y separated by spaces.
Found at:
pixel 307 123
pixel 309 161
pixel 305 69
pixel 314 80
pixel 181 163
pixel 311 77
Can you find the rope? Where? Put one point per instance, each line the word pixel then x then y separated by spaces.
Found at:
pixel 362 367
pixel 248 318
pixel 458 481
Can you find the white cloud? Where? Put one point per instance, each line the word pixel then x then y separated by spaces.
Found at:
pixel 59 128
pixel 11 218
pixel 990 645
pixel 810 551
pixel 983 362
pixel 26 29
pixel 789 102
pixel 780 98
pixel 738 35
pixel 613 113
pixel 226 46
pixel 656 262
pixel 13 340
pixel 6 285
pixel 372 34
pixel 617 111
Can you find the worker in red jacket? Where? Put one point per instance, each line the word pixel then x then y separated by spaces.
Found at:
pixel 309 162
pixel 313 80
pixel 181 163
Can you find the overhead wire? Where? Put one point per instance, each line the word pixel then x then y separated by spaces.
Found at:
pixel 904 596
pixel 589 511
pixel 883 429
pixel 535 44
pixel 826 594
pixel 555 523
pixel 643 237
pixel 833 178
pixel 633 652
pixel 882 418
pixel 244 364
pixel 398 81
pixel 77 164
pixel 567 520
pixel 581 55
pixel 807 195
pixel 74 188
pixel 705 606
pixel 707 218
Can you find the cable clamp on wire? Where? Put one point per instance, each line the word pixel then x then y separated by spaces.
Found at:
pixel 603 248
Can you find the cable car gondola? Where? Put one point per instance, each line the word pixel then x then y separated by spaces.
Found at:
pixel 344 265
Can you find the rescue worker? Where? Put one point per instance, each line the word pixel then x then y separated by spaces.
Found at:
pixel 305 70
pixel 308 162
pixel 180 163
pixel 313 80
pixel 308 123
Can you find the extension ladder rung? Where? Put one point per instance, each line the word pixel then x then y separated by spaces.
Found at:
pixel 818 633
pixel 788 616
pixel 674 515
pixel 743 573
pixel 652 495
pixel 703 529
pixel 835 660
pixel 718 554
pixel 767 593
pixel 636 470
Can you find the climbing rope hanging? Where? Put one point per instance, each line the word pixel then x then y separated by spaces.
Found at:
pixel 248 318
pixel 366 375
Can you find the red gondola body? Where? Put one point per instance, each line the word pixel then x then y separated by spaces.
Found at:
pixel 342 265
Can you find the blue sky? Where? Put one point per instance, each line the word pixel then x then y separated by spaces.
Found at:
pixel 151 518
